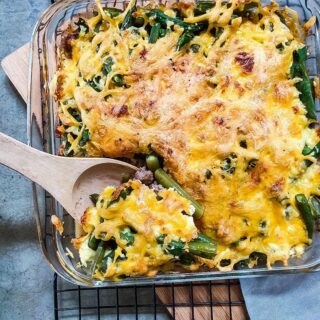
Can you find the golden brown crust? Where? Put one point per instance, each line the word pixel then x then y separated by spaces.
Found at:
pixel 197 110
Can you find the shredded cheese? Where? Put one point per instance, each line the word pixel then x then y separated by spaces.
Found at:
pixel 222 112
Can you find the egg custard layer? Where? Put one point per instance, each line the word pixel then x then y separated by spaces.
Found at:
pixel 219 91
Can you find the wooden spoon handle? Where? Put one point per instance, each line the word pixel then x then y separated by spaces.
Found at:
pixel 36 165
pixel 22 158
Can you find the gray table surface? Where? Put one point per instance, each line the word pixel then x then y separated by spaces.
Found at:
pixel 25 278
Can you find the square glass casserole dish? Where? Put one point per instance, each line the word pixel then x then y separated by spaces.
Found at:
pixel 42 120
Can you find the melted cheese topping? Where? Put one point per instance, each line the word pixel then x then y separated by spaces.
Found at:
pixel 149 217
pixel 226 118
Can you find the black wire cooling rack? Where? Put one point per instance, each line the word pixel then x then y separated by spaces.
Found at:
pixel 203 300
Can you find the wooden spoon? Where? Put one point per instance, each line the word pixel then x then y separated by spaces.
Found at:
pixel 69 180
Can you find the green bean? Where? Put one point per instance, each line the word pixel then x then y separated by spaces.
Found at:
pixel 315 206
pixel 118 80
pixel 96 83
pixel 94 198
pixel 113 12
pixel 315 152
pixel 84 138
pixel 165 180
pixel 306 164
pixel 217 32
pixel 305 212
pixel 304 86
pixel 195 47
pixel 303 54
pixel 186 259
pixel 229 163
pixel 163 32
pixel 105 261
pixel 107 66
pixel 93 242
pixel 185 38
pixel 305 89
pixel 138 22
pixel 75 113
pixel 202 249
pixel 251 12
pixel 101 249
pixel 67 145
pixel 203 6
pixel 160 238
pixel 312 152
pixel 111 202
pixel 127 235
pixel 306 150
pixel 202 246
pixel 162 18
pixel 100 252
pixel 201 237
pixel 226 165
pixel 128 19
pixel 154 33
pixel 125 193
pixel 178 13
pixel 176 248
pixel 152 162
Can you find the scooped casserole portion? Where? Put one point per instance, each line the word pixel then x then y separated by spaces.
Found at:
pixel 219 94
pixel 133 231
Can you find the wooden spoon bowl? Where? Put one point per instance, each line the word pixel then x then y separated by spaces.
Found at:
pixel 69 180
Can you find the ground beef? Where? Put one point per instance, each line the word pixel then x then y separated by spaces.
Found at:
pixel 138 162
pixel 144 175
pixel 156 187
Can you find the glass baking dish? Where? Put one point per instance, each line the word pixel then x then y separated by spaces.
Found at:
pixel 41 134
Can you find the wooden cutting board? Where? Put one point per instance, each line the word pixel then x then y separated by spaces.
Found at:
pixel 218 294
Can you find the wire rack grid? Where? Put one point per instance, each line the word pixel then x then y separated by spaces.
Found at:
pixel 221 299
pixel 209 300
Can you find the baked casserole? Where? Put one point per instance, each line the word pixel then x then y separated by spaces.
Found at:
pixel 218 94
